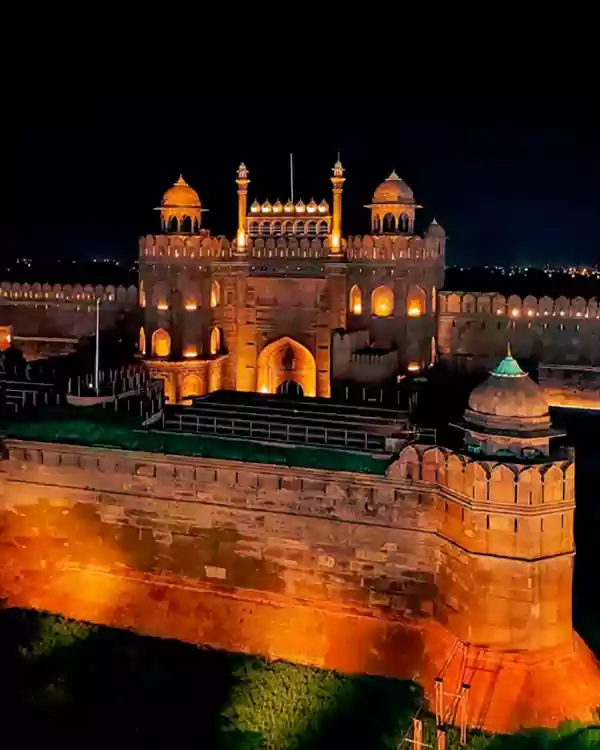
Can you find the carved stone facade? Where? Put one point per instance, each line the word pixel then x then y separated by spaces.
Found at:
pixel 260 299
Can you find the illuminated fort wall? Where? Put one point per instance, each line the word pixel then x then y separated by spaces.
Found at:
pixel 255 557
pixel 49 319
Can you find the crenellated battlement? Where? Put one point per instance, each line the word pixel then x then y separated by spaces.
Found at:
pixel 514 306
pixel 173 248
pixel 14 291
pixel 413 248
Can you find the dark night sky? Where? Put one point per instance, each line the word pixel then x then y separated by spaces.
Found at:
pixel 512 179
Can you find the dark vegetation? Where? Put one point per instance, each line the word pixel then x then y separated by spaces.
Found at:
pixel 97 687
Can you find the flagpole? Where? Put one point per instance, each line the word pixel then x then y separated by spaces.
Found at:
pixel 292 177
pixel 97 361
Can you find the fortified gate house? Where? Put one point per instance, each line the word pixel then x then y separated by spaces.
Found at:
pixel 290 303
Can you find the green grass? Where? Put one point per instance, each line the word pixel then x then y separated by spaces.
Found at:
pixel 98 687
pixel 103 428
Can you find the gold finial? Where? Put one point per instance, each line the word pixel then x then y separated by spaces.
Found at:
pixel 508 350
pixel 181 181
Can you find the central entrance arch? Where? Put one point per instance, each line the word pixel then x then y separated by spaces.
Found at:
pixel 289 388
pixel 285 361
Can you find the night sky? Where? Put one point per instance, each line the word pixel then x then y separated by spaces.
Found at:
pixel 512 179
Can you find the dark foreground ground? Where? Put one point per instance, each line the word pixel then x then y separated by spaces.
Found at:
pixel 72 684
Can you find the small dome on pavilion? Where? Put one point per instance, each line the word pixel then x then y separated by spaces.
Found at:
pixel 289 207
pixel 181 195
pixel 508 400
pixel 255 207
pixel 277 206
pixel 312 206
pixel 266 207
pixel 435 229
pixel 323 207
pixel 393 190
pixel 300 206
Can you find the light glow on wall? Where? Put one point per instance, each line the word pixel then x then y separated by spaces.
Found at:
pixel 382 301
pixel 515 312
pixel 414 311
pixel 162 306
pixel 413 367
pixel 190 352
pixel 215 294
pixel 264 389
pixel 191 306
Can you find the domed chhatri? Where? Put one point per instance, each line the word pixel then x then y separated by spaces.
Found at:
pixel 508 414
pixel 181 195
pixel 393 190
pixel 509 400
pixel 181 209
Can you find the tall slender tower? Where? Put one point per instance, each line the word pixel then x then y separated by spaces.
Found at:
pixel 242 182
pixel 337 181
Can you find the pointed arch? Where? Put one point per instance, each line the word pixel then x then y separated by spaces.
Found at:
pixel 161 343
pixel 215 340
pixel 142 341
pixel 192 385
pixel 355 300
pixel 416 302
pixel 382 301
pixel 215 294
pixel 286 359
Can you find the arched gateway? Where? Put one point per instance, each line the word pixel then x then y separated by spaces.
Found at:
pixel 283 362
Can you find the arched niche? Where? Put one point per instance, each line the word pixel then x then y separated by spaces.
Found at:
pixel 382 301
pixel 286 360
pixel 161 343
pixel 355 300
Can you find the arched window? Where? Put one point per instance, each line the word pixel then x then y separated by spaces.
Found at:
pixel 253 228
pixel 382 301
pixel 376 225
pixel 142 295
pixel 142 341
pixel 215 294
pixel 186 224
pixel 389 224
pixel 403 223
pixel 161 343
pixel 415 302
pixel 173 225
pixel 299 228
pixel 277 227
pixel 215 341
pixel 311 228
pixel 288 227
pixel 265 228
pixel 355 301
pixel 323 229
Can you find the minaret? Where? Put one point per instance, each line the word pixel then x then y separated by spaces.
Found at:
pixel 242 182
pixel 337 181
